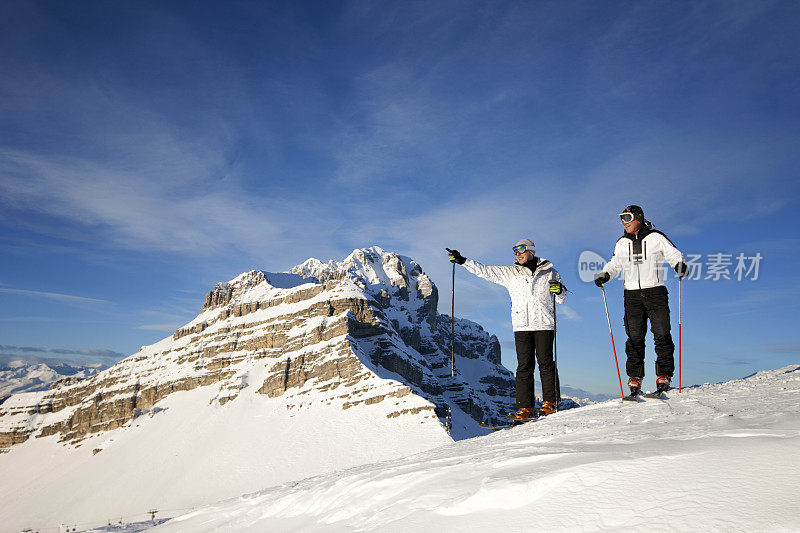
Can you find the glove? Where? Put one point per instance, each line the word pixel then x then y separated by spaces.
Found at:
pixel 556 287
pixel 601 277
pixel 455 257
pixel 681 269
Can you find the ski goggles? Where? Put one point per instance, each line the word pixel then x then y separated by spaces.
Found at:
pixel 520 249
pixel 626 217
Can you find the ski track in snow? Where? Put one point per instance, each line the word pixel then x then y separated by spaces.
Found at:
pixel 715 457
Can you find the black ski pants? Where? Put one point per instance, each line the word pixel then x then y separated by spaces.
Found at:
pixel 641 305
pixel 533 345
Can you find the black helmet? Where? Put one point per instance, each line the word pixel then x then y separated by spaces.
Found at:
pixel 632 212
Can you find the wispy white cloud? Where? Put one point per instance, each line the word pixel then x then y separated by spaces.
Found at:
pixel 27 319
pixel 55 296
pixel 569 313
pixel 773 247
pixel 405 142
pixel 119 209
pixel 159 327
pixel 410 120
pixel 91 352
pixel 24 349
pixel 560 215
pixel 728 360
pixel 685 39
pixel 780 348
pixel 745 301
pixel 116 165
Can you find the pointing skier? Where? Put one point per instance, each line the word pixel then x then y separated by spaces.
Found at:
pixel 639 254
pixel 531 282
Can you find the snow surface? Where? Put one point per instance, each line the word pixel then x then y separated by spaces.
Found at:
pixel 179 456
pixel 714 457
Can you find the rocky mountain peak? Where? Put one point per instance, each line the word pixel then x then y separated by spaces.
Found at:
pixel 320 329
pixel 224 292
pixel 372 268
pixel 332 356
pixel 392 279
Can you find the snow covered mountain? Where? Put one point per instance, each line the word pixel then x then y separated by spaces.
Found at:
pixel 20 374
pixel 713 458
pixel 280 377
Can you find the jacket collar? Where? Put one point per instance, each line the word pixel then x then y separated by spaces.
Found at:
pixel 643 232
pixel 534 266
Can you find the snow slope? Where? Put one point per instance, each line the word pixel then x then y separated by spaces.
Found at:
pixel 189 451
pixel 714 457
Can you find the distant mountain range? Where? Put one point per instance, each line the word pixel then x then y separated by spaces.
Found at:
pixel 584 397
pixel 30 374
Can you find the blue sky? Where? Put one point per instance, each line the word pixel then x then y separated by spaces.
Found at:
pixel 152 149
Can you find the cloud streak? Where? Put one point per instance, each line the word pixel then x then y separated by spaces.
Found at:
pixel 137 212
pixel 170 328
pixel 95 352
pixel 780 348
pixel 68 298
pixel 149 186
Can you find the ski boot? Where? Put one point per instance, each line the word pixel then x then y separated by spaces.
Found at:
pixel 547 408
pixel 524 414
pixel 635 385
pixel 662 384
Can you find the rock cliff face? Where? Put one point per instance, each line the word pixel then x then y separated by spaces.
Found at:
pixel 362 331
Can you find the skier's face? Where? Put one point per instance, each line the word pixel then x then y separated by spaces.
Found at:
pixel 633 226
pixel 524 257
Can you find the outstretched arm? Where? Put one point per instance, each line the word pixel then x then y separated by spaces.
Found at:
pixel 496 274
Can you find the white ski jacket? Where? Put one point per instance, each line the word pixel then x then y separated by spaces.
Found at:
pixel 531 300
pixel 641 258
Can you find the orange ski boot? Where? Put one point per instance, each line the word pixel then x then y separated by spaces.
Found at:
pixel 524 414
pixel 548 408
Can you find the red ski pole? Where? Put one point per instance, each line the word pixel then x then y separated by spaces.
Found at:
pixel 613 346
pixel 680 352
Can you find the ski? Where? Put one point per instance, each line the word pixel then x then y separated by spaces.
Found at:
pixel 513 417
pixel 507 426
pixel 657 394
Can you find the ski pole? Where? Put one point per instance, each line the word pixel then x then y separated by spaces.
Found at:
pixel 453 326
pixel 680 354
pixel 613 346
pixel 555 354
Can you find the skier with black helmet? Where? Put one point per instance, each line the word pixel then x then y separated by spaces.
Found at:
pixel 640 254
pixel 531 282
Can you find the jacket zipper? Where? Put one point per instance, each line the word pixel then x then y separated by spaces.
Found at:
pixel 530 314
pixel 644 243
pixel 630 256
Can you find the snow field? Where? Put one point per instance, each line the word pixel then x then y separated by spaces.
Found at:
pixel 715 457
pixel 183 456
